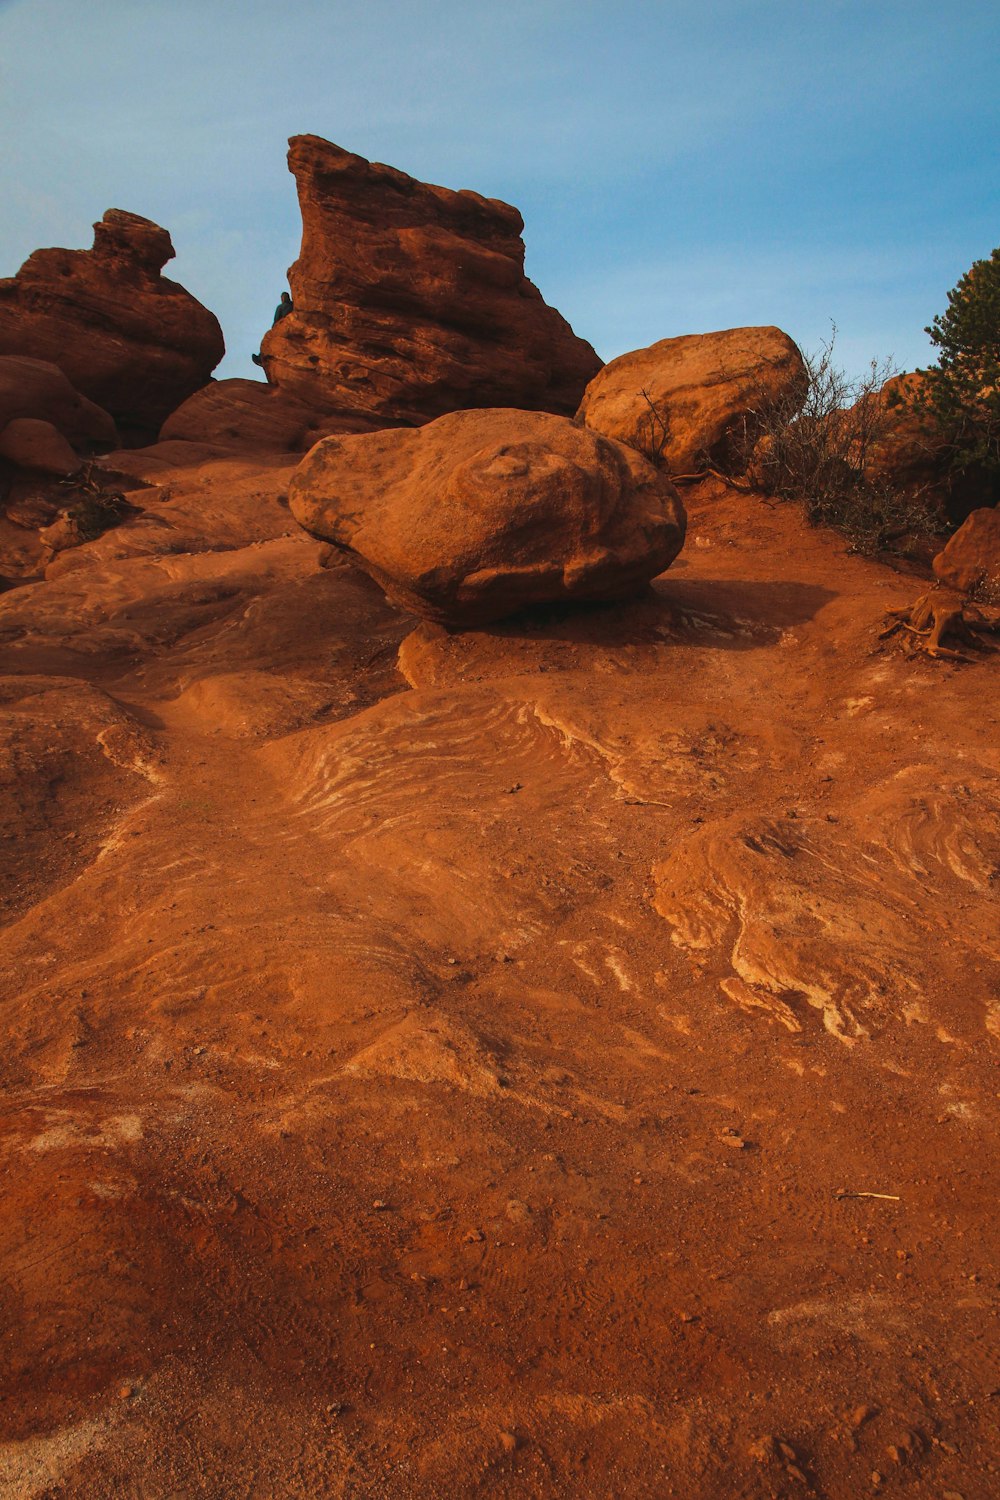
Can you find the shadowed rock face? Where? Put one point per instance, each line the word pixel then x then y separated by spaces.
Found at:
pixel 247 416
pixel 481 513
pixel 37 389
pixel 126 337
pixel 411 300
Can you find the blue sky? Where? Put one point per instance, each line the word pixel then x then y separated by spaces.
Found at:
pixel 680 166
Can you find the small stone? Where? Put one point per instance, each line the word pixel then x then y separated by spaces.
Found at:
pixel 508 1441
pixel 379 1206
pixel 126 1391
pixel 474 1236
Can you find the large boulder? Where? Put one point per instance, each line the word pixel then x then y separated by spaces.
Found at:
pixel 481 513
pixel 971 560
pixel 248 416
pixel 411 301
pixel 34 388
pixel 30 443
pixel 912 455
pixel 128 338
pixel 692 402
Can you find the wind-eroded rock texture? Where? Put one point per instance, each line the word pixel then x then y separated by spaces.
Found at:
pixel 411 301
pixel 691 401
pixel 550 1060
pixel 127 338
pixel 481 513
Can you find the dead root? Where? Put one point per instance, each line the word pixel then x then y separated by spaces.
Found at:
pixel 939 615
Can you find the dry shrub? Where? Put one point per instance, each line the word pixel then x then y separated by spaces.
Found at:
pixel 822 453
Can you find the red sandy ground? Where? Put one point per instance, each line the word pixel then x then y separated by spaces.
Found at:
pixel 463 1077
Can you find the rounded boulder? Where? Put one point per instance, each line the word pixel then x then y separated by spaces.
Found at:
pixel 33 444
pixel 695 401
pixel 971 560
pixel 482 513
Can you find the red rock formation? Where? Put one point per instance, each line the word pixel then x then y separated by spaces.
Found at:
pixel 248 416
pixel 684 400
pixel 913 455
pixel 32 443
pixel 34 388
pixel 411 300
pixel 971 560
pixel 481 513
pixel 125 336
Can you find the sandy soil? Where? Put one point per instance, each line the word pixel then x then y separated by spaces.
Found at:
pixel 554 1060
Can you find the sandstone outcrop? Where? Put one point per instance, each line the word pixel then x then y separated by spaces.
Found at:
pixel 913 456
pixel 481 513
pixel 689 402
pixel 248 416
pixel 127 337
pixel 971 560
pixel 411 301
pixel 38 389
pixel 31 443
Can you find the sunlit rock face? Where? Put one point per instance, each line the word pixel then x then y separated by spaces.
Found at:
pixel 411 300
pixel 971 560
pixel 481 513
pixel 691 401
pixel 129 339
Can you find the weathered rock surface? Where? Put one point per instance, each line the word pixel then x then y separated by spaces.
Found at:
pixel 481 513
pixel 36 388
pixel 971 560
pixel 411 300
pixel 689 401
pixel 543 1013
pixel 31 443
pixel 908 454
pixel 912 455
pixel 250 417
pixel 127 337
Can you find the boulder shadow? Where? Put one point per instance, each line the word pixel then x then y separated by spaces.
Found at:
pixel 736 614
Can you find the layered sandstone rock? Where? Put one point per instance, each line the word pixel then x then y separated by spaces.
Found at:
pixel 971 560
pixel 481 513
pixel 689 402
pixel 125 336
pixel 411 301
pixel 34 388
pixel 250 417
